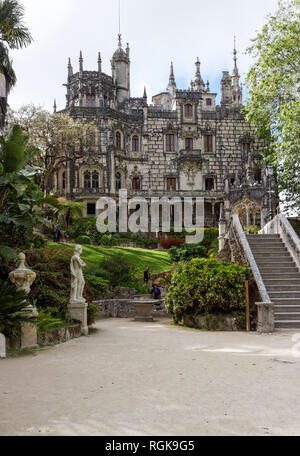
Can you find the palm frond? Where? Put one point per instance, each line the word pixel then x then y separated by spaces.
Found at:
pixel 12 29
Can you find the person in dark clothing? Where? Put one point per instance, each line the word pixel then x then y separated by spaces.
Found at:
pixel 147 275
pixel 57 234
pixel 155 292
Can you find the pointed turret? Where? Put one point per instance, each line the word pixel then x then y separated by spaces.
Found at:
pixel 80 62
pixel 172 83
pixel 198 81
pixel 120 64
pixel 237 96
pixel 145 94
pixel 70 69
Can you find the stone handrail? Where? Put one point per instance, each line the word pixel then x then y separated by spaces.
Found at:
pixel 280 225
pixel 250 259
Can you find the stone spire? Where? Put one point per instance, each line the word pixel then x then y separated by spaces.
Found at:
pixel 145 94
pixel 54 107
pixel 172 83
pixel 236 88
pixel 99 63
pixel 70 69
pixel 101 100
pixel 80 62
pixel 198 81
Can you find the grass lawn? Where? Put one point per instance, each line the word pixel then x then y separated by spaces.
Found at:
pixel 140 258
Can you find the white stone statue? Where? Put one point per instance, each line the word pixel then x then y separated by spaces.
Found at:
pixel 77 279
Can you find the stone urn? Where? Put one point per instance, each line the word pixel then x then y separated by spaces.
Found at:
pixel 144 308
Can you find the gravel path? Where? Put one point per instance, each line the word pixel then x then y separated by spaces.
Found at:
pixel 130 378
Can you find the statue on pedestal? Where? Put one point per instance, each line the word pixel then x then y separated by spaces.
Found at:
pixel 77 279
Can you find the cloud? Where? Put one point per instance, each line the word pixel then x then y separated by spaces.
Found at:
pixel 159 31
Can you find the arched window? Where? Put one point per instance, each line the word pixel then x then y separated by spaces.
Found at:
pixel 87 179
pixel 118 181
pixel 95 179
pixel 135 143
pixel 188 111
pixel 136 183
pixel 64 180
pixel 170 142
pixel 118 140
pixel 189 143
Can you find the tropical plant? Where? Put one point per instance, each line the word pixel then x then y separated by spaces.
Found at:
pixel 13 310
pixel 187 252
pixel 21 199
pixel 46 322
pixel 274 96
pixel 13 35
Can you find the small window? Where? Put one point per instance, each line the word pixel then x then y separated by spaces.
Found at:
pixel 232 180
pixel 208 143
pixel 118 181
pixel 135 144
pixel 118 140
pixel 87 179
pixel 95 180
pixel 170 142
pixel 188 111
pixel 208 102
pixel 171 184
pixel 189 143
pixel 136 183
pixel 64 180
pixel 246 147
pixel 91 209
pixel 209 183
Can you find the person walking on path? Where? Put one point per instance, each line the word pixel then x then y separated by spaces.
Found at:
pixel 147 275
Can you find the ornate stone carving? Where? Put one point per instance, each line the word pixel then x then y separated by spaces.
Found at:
pixel 22 277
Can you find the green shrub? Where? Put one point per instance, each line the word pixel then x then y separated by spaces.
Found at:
pixel 207 286
pixel 187 252
pixel 140 287
pixel 84 240
pixel 92 313
pixel 46 322
pixel 99 284
pixel 119 271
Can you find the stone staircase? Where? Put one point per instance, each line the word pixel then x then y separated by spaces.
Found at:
pixel 280 276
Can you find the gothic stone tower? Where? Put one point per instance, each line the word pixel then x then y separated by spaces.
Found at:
pixel 183 144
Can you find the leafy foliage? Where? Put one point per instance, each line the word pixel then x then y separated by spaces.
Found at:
pixel 118 269
pixel 12 313
pixel 46 322
pixel 206 286
pixel 274 96
pixel 187 252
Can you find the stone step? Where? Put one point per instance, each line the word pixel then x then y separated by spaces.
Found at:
pixel 269 254
pixel 283 288
pixel 286 308
pixel 275 259
pixel 263 236
pixel 280 276
pixel 287 316
pixel 284 294
pixel 266 242
pixel 287 324
pixel 283 281
pixel 288 271
pixel 286 301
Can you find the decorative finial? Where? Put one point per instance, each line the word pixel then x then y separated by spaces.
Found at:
pixel 145 93
pixel 80 62
pixel 120 40
pixel 54 106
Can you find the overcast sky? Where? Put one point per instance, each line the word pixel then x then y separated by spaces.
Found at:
pixel 158 31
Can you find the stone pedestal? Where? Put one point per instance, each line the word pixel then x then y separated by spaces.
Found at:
pixel 265 317
pixel 29 332
pixel 2 346
pixel 23 278
pixel 78 311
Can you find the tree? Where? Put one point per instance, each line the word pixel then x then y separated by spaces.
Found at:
pixel 58 137
pixel 13 35
pixel 274 96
